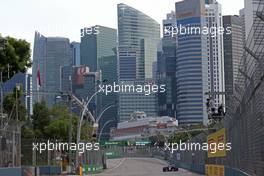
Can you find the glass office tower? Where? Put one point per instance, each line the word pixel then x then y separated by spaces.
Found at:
pixel 50 54
pixel 166 68
pixel 138 38
pixel 233 47
pixel 191 64
pixel 98 52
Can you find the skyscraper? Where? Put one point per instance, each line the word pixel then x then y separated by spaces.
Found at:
pixel 76 53
pixel 166 68
pixel 215 53
pixel 130 102
pixel 191 64
pixel 98 52
pixel 233 47
pixel 138 38
pixel 50 54
pixel 242 19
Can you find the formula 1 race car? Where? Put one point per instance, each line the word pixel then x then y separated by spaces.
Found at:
pixel 170 168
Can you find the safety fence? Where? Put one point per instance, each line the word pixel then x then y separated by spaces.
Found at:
pixel 10 143
pixel 244 120
pixel 63 160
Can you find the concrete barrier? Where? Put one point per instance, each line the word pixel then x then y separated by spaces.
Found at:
pixel 49 170
pixel 17 171
pixel 200 169
pixel 29 171
pixel 234 172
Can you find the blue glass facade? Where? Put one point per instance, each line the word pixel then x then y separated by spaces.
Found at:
pixel 191 64
pixel 167 68
pixel 76 53
pixel 98 52
pixel 138 38
pixel 50 54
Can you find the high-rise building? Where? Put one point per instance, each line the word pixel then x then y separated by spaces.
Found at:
pixel 130 102
pixel 215 53
pixel 98 52
pixel 191 64
pixel 50 54
pixel 76 53
pixel 98 45
pixel 138 38
pixel 166 68
pixel 233 47
pixel 242 19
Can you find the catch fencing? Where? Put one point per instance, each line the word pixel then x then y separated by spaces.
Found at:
pixel 244 120
pixel 10 143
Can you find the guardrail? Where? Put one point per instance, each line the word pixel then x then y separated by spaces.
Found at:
pixel 30 171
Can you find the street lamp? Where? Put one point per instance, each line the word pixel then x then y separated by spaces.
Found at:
pixel 100 134
pixel 89 113
pixel 108 107
pixel 85 109
pixel 96 124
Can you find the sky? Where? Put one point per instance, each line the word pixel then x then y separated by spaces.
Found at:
pixel 65 18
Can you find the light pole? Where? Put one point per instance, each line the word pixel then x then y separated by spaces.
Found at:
pixel 85 109
pixel 96 124
pixel 100 116
pixel 106 123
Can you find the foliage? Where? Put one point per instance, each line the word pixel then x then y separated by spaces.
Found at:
pixel 10 102
pixel 58 128
pixel 40 119
pixel 54 124
pixel 14 53
pixel 177 137
pixel 185 135
pixel 157 138
pixel 27 132
pixel 87 131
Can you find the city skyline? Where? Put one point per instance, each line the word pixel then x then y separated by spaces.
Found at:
pixel 132 87
pixel 61 21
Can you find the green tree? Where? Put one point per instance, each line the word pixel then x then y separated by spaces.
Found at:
pixel 40 119
pixel 54 124
pixel 159 138
pixel 11 101
pixel 14 56
pixel 188 132
pixel 27 132
pixel 177 137
pixel 87 132
pixel 58 128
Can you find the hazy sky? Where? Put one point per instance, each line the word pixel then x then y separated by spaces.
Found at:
pixel 20 18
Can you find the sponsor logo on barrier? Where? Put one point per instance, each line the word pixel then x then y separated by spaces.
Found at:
pixel 218 138
pixel 86 169
pixel 214 170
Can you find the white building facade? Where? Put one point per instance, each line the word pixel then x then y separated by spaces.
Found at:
pixel 215 53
